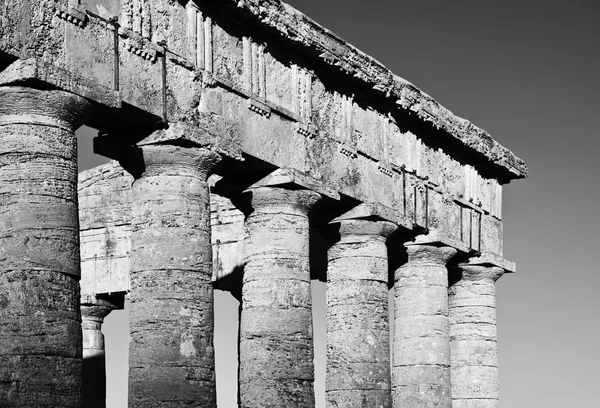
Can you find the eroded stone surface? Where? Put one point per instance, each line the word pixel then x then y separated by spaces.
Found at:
pixel 276 332
pixel 421 364
pixel 358 349
pixel 40 331
pixel 271 91
pixel 171 312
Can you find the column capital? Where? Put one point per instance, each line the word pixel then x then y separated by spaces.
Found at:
pixel 429 254
pixel 263 197
pixel 177 160
pixel 92 316
pixel 364 227
pixel 492 259
pixel 94 310
pixel 22 104
pixel 480 272
pixel 362 238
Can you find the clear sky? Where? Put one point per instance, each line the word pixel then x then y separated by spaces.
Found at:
pixel 525 71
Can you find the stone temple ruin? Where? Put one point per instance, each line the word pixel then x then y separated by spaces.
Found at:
pixel 253 150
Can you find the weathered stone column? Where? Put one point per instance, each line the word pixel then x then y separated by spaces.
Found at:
pixel 40 321
pixel 421 364
pixel 276 332
pixel 94 356
pixel 358 346
pixel 171 314
pixel 474 355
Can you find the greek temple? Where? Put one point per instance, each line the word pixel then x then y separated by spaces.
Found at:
pixel 252 151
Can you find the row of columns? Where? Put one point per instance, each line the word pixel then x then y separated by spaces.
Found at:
pixel 444 348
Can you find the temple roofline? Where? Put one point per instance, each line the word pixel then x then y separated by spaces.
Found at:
pixel 336 52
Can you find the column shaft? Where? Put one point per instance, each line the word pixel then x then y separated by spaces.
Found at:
pixel 421 366
pixel 358 346
pixel 171 313
pixel 40 330
pixel 474 356
pixel 276 334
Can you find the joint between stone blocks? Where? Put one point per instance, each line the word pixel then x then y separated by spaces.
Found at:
pixel 73 15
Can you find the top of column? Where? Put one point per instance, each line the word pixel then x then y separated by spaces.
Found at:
pixel 288 187
pixel 48 107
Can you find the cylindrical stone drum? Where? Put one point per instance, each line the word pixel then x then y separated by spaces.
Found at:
pixel 40 320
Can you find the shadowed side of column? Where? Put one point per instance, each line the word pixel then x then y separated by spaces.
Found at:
pixel 358 347
pixel 473 340
pixel 40 330
pixel 171 315
pixel 276 333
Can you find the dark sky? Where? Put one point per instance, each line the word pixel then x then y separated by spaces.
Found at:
pixel 525 71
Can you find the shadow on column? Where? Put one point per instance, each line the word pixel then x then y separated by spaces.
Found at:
pixel 94 381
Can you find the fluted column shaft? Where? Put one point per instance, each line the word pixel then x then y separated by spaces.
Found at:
pixel 171 353
pixel 40 330
pixel 474 350
pixel 94 355
pixel 358 346
pixel 421 365
pixel 276 332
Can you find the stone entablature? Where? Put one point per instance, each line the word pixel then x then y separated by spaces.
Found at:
pixel 232 80
pixel 226 45
pixel 105 229
pixel 282 107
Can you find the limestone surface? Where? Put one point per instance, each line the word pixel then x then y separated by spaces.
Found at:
pixel 421 364
pixel 473 338
pixel 292 120
pixel 276 332
pixel 358 348
pixel 171 312
pixel 40 324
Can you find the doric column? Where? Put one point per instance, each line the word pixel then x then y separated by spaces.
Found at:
pixel 358 346
pixel 94 356
pixel 474 357
pixel 171 313
pixel 40 321
pixel 276 333
pixel 421 365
